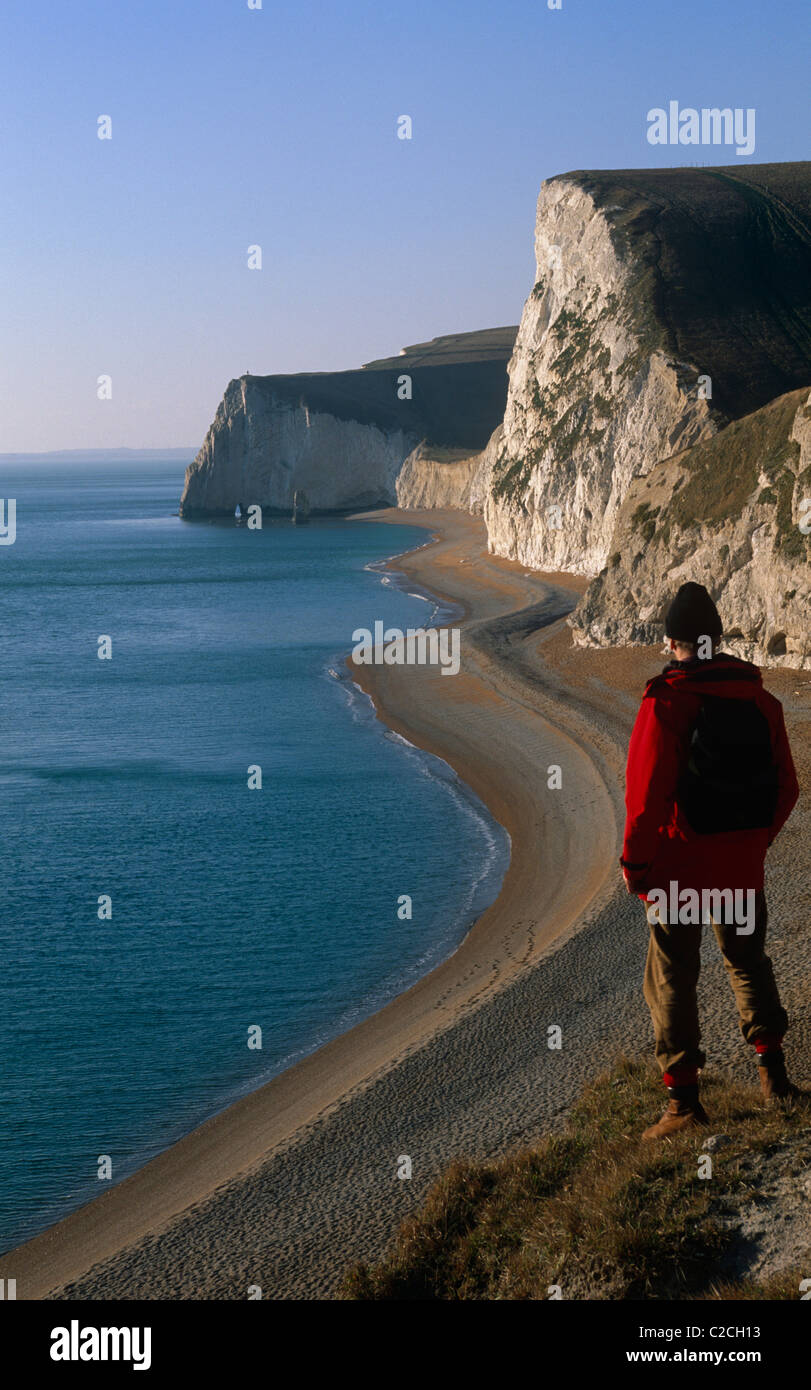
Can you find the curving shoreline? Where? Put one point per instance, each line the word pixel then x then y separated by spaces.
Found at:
pixel 290 1185
pixel 500 745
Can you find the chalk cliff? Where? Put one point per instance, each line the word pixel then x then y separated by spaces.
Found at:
pixel 438 478
pixel 670 308
pixel 342 437
pixel 728 514
pixel 666 303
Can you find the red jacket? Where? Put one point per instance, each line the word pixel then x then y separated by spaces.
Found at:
pixel 657 834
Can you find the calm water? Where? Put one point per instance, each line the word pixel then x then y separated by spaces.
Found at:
pixel 230 907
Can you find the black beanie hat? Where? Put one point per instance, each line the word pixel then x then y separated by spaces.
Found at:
pixel 692 615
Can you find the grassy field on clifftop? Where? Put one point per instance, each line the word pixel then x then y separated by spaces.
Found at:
pixel 600 1215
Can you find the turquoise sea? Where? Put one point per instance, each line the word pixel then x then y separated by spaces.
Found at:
pixel 231 908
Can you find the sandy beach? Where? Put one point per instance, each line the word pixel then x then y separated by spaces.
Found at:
pixel 291 1184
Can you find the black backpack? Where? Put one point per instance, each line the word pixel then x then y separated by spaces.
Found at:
pixel 731 778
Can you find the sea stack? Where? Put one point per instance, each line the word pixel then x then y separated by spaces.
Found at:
pixel 301 508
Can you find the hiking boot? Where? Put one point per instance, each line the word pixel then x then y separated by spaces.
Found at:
pixel 684 1111
pixel 775 1086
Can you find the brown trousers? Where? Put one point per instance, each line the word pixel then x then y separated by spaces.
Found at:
pixel 671 979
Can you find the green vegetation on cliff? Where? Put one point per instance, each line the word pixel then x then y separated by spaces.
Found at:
pixel 580 370
pixel 724 472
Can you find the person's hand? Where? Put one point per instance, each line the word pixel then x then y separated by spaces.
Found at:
pixel 635 878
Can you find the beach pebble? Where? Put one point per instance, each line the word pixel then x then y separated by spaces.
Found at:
pixel 715 1141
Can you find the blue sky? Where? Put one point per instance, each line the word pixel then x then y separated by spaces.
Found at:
pixel 234 127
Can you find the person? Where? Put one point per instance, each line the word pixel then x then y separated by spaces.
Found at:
pixel 710 782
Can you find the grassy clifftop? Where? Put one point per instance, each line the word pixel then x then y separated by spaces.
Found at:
pixel 458 389
pixel 483 345
pixel 597 1214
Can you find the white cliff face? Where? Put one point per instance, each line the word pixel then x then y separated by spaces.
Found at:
pixel 594 400
pixel 610 428
pixel 261 449
pixel 426 480
pixel 481 481
pixel 728 514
